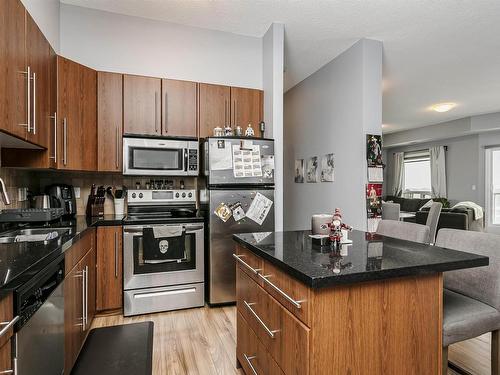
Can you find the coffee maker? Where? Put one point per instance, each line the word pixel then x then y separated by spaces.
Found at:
pixel 62 196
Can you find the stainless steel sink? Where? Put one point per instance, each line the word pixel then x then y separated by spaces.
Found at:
pixel 34 233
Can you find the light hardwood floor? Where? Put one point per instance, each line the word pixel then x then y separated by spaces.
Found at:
pixel 203 341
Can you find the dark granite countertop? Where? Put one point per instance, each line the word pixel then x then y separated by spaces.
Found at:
pixel 20 261
pixel 370 257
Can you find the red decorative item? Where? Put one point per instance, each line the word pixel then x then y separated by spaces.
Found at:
pixel 336 227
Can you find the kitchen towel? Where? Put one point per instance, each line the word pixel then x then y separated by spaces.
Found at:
pixel 162 244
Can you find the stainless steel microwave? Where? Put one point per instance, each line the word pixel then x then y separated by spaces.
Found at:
pixel 160 157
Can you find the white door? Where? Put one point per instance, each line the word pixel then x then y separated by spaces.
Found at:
pixel 493 189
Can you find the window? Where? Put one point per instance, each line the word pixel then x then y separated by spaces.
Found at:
pixel 417 166
pixel 493 186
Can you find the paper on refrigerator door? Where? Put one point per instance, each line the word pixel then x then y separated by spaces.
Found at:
pixel 267 166
pixel 260 207
pixel 246 161
pixel 220 155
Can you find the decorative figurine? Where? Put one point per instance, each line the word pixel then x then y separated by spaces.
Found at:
pixel 238 131
pixel 262 128
pixel 336 227
pixel 249 132
pixel 228 131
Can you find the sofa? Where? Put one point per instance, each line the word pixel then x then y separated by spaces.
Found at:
pixel 407 204
pixel 456 218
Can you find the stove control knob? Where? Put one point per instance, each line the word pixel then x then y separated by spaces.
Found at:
pixel 190 195
pixel 140 195
pixel 134 195
pixel 183 195
pixel 177 195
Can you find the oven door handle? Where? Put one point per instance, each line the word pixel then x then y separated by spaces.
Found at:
pixel 193 229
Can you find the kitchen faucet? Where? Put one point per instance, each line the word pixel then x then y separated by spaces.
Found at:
pixel 3 192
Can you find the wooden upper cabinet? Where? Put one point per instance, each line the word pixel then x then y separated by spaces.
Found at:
pixel 213 108
pixel 38 59
pixel 246 107
pixel 109 121
pixel 13 79
pixel 141 105
pixel 77 116
pixel 179 108
pixel 109 268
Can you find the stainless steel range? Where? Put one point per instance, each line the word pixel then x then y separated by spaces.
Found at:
pixel 163 246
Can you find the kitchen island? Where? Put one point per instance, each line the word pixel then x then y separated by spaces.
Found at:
pixel 371 307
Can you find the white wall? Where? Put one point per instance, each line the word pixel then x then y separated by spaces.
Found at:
pixel 331 111
pixel 119 43
pixel 46 15
pixel 273 46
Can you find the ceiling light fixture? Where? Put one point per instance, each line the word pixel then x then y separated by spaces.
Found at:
pixel 443 107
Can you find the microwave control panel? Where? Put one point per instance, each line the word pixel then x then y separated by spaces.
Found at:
pixel 193 160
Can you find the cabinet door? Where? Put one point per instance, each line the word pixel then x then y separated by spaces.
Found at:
pixel 38 56
pixel 246 107
pixel 141 105
pixel 73 316
pixel 13 77
pixel 6 358
pixel 69 108
pixel 77 116
pixel 179 108
pixel 109 268
pixel 109 121
pixel 214 108
pixel 88 129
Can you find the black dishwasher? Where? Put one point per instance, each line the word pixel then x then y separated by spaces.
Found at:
pixel 39 338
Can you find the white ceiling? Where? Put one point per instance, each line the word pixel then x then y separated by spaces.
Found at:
pixel 434 50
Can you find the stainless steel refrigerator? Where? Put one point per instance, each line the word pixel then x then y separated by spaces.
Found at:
pixel 232 181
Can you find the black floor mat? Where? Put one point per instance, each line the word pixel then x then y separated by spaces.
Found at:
pixel 117 350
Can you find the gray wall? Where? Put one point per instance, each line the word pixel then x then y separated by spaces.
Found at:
pixel 331 111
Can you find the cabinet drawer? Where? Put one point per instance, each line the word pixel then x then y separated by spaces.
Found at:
pixel 251 353
pixel 291 293
pixel 250 263
pixel 6 316
pixel 77 251
pixel 284 336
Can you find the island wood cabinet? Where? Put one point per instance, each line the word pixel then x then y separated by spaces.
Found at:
pixel 76 116
pixel 179 100
pixel 391 326
pixel 109 121
pixel 24 72
pixel 228 106
pixel 79 296
pixel 141 105
pixel 6 316
pixel 109 268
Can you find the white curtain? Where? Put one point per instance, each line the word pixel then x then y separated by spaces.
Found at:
pixel 438 171
pixel 399 174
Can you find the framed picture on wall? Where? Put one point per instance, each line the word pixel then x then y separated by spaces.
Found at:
pixel 374 150
pixel 299 171
pixel 312 169
pixel 327 168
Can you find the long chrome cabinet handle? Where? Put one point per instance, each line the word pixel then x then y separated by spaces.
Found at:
pixel 34 104
pixel 254 270
pixel 248 359
pixel 156 112
pixel 86 295
pixel 55 136
pixel 266 328
pixel 117 146
pixel 297 304
pixel 65 141
pixel 83 300
pixel 7 372
pixel 116 254
pixel 7 325
pixel 28 99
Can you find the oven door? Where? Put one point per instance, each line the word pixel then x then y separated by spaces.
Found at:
pixel 162 254
pixel 155 157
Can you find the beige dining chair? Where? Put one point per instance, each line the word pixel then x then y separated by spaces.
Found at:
pixel 433 219
pixel 471 300
pixel 404 230
pixel 390 211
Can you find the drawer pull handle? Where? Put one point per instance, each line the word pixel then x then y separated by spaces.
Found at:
pixel 8 325
pixel 254 270
pixel 268 331
pixel 297 304
pixel 248 359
